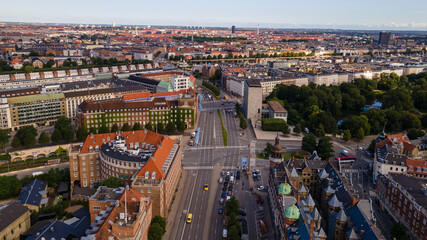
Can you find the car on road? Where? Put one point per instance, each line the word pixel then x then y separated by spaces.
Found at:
pixel 228 198
pixel 256 177
pixel 221 180
pixel 230 188
pixel 222 173
pixel 206 187
pixel 227 178
pixel 238 175
pixel 228 173
pixel 223 194
pixel 221 201
pixel 260 188
pixel 189 218
pixel 220 210
pixel 224 188
pixel 225 183
pixel 232 173
pixel 231 179
pixel 242 212
pixel 229 193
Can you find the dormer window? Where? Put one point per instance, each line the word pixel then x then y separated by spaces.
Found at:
pixel 153 175
pixel 147 175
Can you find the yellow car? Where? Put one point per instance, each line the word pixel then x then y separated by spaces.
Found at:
pixel 206 187
pixel 189 217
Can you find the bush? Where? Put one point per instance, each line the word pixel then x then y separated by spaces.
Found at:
pixel 224 131
pixel 215 90
pixel 111 182
pixel 275 124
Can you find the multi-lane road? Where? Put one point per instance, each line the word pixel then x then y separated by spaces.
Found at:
pixel 202 165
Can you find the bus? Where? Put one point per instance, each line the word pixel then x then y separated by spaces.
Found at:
pixel 345 159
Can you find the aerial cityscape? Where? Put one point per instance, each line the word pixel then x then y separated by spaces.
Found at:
pixel 238 121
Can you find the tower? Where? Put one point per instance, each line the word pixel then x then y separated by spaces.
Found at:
pixel 276 152
pixel 384 38
pixel 233 29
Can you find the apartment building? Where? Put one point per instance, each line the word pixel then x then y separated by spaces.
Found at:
pixel 127 216
pixel 252 99
pixel 140 108
pixel 404 197
pixel 147 161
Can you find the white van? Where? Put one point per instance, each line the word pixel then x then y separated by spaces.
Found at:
pixel 224 233
pixel 231 179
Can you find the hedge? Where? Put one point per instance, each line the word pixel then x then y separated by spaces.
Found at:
pixel 273 124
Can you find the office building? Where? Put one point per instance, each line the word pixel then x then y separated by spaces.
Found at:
pixel 233 29
pixel 252 99
pixel 384 38
pixel 140 108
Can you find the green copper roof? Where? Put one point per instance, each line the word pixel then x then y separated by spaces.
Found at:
pixel 292 212
pixel 284 188
pixel 165 85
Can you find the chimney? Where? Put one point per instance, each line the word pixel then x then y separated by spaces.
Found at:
pixel 91 135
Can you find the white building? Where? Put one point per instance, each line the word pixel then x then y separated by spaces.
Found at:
pixel 180 82
pixel 5 120
pixel 145 56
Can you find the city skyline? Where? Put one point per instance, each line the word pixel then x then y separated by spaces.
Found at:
pixel 305 14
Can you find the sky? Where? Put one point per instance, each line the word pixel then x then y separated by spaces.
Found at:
pixel 332 14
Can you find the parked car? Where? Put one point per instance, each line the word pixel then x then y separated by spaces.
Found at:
pixel 224 188
pixel 221 201
pixel 223 194
pixel 230 188
pixel 225 183
pixel 260 188
pixel 229 193
pixel 220 210
pixel 222 173
pixel 238 175
pixel 242 212
pixel 221 180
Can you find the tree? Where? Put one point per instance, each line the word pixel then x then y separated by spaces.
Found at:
pixel 148 126
pixel 93 130
pixel 243 123
pixel 170 128
pixel 371 148
pixel 111 182
pixel 324 148
pixel 160 128
pixel 320 130
pixel 28 68
pixel 268 150
pixel 115 128
pixel 16 143
pixel 44 138
pixel 4 137
pixel 398 231
pixel 180 126
pixel 309 143
pixel 297 128
pixel 49 64
pixel 285 128
pixel 155 232
pixel 56 136
pixel 136 127
pixel 414 133
pixel 346 136
pixel 27 136
pixel 81 133
pixel 103 129
pixel 63 125
pixel 126 127
pixel 360 134
pixel 161 221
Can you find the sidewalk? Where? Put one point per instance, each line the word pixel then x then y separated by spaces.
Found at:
pixel 174 208
pixel 271 135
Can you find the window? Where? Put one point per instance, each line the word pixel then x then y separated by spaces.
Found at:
pixel 96 208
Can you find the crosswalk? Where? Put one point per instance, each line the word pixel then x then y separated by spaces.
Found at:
pixel 208 167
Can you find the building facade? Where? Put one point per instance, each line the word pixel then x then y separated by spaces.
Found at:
pixel 252 99
pixel 143 109
pixel 14 220
pixel 404 197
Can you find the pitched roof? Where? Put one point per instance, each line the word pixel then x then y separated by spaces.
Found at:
pixel 323 174
pixel 334 202
pixel 309 201
pixel 352 234
pixel 10 213
pixel 294 173
pixel 341 216
pixel 33 192
pixel 302 188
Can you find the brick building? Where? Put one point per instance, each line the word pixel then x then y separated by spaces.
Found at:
pixel 127 216
pixel 405 198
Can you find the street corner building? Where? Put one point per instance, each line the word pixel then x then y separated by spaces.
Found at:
pixel 119 213
pixel 14 220
pixel 147 161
